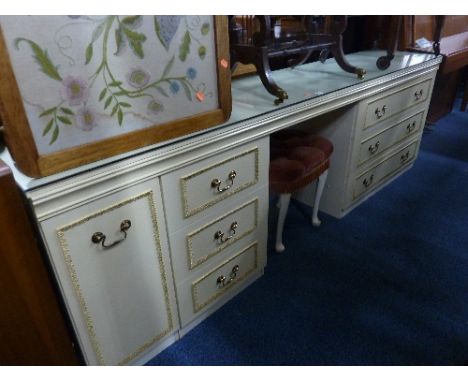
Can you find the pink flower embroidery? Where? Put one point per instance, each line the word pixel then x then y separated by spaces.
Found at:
pixel 75 90
pixel 86 119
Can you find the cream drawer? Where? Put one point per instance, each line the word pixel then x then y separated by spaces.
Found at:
pixel 111 260
pixel 207 186
pixel 208 240
pixel 374 146
pixel 212 181
pixel 373 177
pixel 200 293
pixel 396 102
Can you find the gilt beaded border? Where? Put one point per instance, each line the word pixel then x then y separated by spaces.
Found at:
pixel 183 182
pixel 195 299
pixel 75 280
pixel 194 263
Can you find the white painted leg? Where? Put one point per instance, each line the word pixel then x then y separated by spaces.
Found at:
pixel 283 205
pixel 278 203
pixel 318 194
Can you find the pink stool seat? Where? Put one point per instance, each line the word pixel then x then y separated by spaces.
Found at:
pixel 296 159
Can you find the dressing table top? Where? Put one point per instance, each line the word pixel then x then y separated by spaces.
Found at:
pixel 315 86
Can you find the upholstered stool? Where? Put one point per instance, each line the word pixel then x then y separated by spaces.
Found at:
pixel 297 158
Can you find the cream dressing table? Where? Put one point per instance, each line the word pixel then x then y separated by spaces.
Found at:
pixel 146 245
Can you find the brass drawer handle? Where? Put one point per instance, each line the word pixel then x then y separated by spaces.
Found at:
pixel 367 182
pixel 373 148
pixel 418 94
pixel 411 127
pixel 380 113
pixel 404 157
pixel 99 237
pixel 220 235
pixel 216 183
pixel 221 281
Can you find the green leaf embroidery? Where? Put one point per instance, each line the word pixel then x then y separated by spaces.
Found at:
pixel 162 91
pixel 184 48
pixel 125 104
pixel 114 109
pixel 64 120
pixel 89 54
pixel 168 67
pixel 205 29
pixel 97 32
pixel 119 41
pixel 48 127
pixel 135 40
pixel 102 94
pixel 66 110
pixel 132 35
pixel 108 101
pixel 132 21
pixel 47 112
pixel 202 52
pixel 115 83
pixel 188 93
pixel 120 116
pixel 157 29
pixel 55 135
pixel 42 58
pixel 137 48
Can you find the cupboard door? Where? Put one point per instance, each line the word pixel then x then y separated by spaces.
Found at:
pixel 111 259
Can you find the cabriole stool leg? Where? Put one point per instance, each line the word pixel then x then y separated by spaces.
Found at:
pixel 283 210
pixel 318 194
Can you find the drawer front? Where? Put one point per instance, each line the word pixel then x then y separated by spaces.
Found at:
pixel 214 182
pixel 212 238
pixel 373 177
pixel 374 146
pixel 395 103
pixel 196 245
pixel 207 186
pixel 114 270
pixel 202 292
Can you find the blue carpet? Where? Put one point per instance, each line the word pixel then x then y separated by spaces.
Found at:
pixel 386 285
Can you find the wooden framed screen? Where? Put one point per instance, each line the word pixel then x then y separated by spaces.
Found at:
pixel 76 89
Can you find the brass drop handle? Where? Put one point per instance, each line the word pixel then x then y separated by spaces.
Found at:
pixel 380 113
pixel 411 127
pixel 221 281
pixel 216 183
pixel 99 237
pixel 219 235
pixel 367 182
pixel 373 148
pixel 418 94
pixel 404 157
